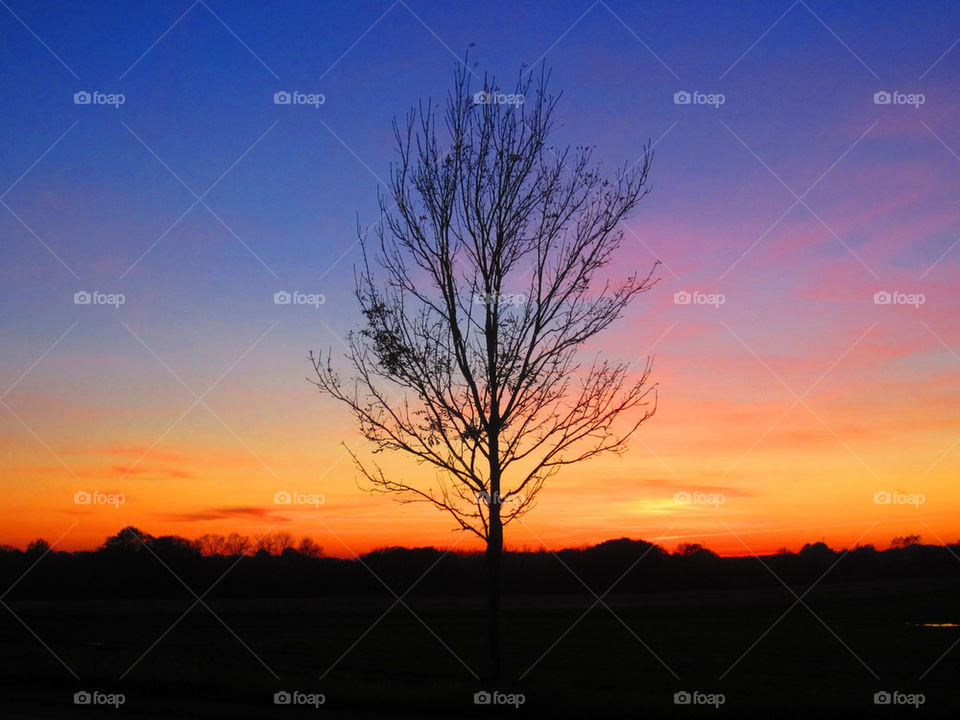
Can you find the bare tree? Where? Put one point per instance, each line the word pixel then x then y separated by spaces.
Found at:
pixel 275 543
pixel 471 356
pixel 236 544
pixel 308 547
pixel 210 544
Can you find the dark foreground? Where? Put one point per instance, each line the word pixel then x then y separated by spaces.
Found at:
pixel 423 665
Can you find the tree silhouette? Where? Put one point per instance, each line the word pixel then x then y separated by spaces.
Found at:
pixel 38 547
pixel 904 541
pixel 274 544
pixel 469 359
pixel 129 539
pixel 308 547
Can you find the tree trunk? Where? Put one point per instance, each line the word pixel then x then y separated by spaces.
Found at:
pixel 494 557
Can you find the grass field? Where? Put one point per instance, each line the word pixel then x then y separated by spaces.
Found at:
pixel 423 664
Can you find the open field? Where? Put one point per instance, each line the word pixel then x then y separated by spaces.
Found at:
pixel 601 667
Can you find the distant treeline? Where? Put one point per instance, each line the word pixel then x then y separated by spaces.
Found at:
pixel 135 564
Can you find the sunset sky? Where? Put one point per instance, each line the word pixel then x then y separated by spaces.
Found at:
pixel 798 199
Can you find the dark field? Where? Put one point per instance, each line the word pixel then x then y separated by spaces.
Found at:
pixel 399 668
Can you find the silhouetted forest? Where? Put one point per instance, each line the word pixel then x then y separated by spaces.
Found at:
pixel 135 564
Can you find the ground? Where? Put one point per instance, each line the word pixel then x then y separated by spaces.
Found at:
pixel 399 668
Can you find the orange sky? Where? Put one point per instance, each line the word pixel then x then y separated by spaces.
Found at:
pixel 788 472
